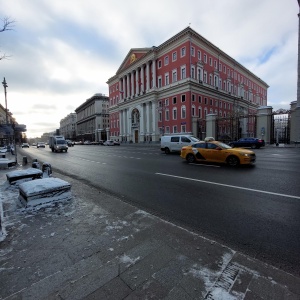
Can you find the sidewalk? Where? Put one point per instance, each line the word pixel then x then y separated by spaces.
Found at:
pixel 96 246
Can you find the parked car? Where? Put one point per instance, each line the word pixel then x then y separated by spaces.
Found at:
pixel 109 143
pixel 217 152
pixel 87 143
pixel 248 142
pixel 116 143
pixel 40 145
pixel 25 145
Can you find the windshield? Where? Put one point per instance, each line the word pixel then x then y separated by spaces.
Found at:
pixel 194 139
pixel 224 146
pixel 61 142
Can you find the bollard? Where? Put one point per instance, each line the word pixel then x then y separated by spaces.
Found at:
pixel 24 160
pixel 47 169
pixel 35 160
pixel 36 165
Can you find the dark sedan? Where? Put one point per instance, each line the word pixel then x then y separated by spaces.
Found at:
pixel 248 142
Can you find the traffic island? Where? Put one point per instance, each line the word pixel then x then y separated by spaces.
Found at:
pixel 24 175
pixel 42 191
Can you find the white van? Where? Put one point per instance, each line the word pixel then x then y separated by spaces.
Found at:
pixel 174 143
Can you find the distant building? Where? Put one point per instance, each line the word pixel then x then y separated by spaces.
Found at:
pixel 93 119
pixel 172 88
pixel 68 126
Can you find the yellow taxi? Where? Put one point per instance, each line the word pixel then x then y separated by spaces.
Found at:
pixel 217 152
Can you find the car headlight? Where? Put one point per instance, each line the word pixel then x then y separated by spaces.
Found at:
pixel 244 154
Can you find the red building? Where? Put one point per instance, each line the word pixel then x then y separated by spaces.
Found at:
pixel 172 88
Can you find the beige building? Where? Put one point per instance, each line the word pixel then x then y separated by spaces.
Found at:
pixel 93 119
pixel 68 126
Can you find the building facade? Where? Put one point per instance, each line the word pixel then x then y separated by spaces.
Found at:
pixel 172 88
pixel 68 126
pixel 93 119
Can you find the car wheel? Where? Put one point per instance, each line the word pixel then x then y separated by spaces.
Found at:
pixel 167 150
pixel 253 146
pixel 190 158
pixel 233 161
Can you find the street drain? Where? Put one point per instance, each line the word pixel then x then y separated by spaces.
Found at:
pixel 225 281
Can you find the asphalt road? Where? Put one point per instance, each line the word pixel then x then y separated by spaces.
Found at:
pixel 255 210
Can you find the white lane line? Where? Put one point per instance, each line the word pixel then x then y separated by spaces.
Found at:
pixel 231 186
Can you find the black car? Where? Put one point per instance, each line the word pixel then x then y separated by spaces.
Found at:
pixel 25 145
pixel 248 142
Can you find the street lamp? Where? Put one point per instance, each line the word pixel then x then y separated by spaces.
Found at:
pixel 5 86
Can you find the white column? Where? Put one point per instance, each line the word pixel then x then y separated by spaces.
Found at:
pixel 132 84
pixel 148 76
pixel 128 90
pixel 154 73
pixel 124 122
pixel 148 117
pixel 142 79
pixel 120 122
pixel 142 120
pixel 120 89
pixel 137 82
pixel 128 122
pixel 124 88
pixel 153 118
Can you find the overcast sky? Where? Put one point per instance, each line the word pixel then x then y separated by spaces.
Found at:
pixel 62 52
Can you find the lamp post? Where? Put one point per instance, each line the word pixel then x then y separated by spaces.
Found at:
pixel 5 86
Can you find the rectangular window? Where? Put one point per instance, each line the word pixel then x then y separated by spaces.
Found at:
pixel 167 102
pixel 210 102
pixel 224 69
pixel 205 100
pixel 183 128
pixel 193 98
pixel 174 76
pixel 200 99
pixel 174 100
pixel 159 82
pixel 199 55
pixel 174 56
pixel 215 64
pixel 174 114
pixel 183 112
pixel 159 64
pixel 210 61
pixel 182 98
pixel 167 115
pixel 183 73
pixel 174 129
pixel 205 58
pixel 192 51
pixel 166 60
pixel 193 72
pixel 167 129
pixel 182 51
pixel 167 79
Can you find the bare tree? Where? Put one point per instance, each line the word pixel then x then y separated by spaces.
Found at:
pixel 7 24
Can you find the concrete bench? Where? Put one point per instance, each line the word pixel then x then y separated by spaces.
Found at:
pixel 41 191
pixel 26 175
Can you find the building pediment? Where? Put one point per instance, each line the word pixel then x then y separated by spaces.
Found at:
pixel 133 56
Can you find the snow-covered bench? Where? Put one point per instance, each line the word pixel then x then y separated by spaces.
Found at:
pixel 44 190
pixel 27 174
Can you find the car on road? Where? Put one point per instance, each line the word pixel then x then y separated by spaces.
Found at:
pixel 254 143
pixel 109 143
pixel 25 145
pixel 70 143
pixel 40 145
pixel 217 152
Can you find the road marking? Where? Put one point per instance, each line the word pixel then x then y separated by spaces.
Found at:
pixel 230 186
